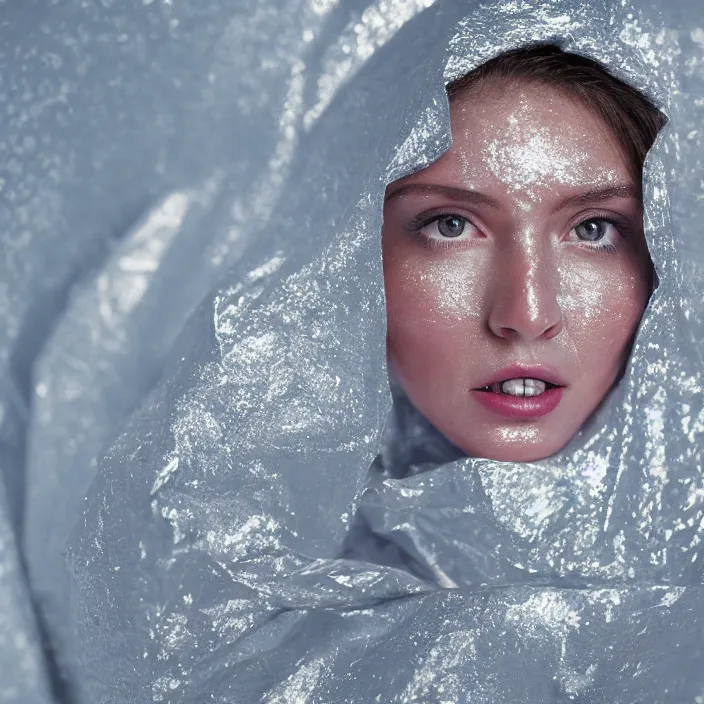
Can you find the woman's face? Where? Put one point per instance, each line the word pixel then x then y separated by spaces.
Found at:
pixel 516 272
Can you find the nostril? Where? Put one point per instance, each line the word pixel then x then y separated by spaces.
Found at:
pixel 552 330
pixel 529 329
pixel 505 332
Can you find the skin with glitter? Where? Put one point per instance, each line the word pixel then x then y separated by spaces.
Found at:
pixel 519 252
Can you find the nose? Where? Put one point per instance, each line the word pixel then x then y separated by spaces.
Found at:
pixel 524 303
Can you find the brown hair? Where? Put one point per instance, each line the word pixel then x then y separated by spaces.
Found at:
pixel 632 117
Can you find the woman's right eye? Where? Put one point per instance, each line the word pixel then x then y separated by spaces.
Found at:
pixel 445 227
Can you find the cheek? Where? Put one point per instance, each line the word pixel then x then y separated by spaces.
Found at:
pixel 433 291
pixel 602 299
pixel 434 309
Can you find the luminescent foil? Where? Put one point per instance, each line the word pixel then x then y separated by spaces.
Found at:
pixel 193 385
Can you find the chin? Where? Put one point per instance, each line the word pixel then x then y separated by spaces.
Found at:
pixel 514 452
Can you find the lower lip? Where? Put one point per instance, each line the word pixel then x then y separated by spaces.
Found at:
pixel 520 407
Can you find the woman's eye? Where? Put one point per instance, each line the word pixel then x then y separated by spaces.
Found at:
pixel 446 226
pixel 451 226
pixel 594 230
pixel 598 233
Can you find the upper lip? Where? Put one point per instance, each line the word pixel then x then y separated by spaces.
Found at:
pixel 518 371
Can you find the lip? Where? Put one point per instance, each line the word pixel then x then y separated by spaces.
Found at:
pixel 522 407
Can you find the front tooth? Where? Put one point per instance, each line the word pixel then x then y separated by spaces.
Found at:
pixel 534 387
pixel 523 387
pixel 513 387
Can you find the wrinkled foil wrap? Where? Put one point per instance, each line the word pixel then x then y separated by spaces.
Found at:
pixel 208 492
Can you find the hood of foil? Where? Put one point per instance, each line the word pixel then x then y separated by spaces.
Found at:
pixel 193 385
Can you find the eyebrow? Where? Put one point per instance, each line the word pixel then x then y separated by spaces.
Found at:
pixel 456 194
pixel 598 195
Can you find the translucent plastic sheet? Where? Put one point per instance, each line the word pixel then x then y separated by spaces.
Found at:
pixel 209 478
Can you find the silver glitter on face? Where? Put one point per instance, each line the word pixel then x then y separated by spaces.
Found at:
pixel 532 159
pixel 451 285
pixel 531 156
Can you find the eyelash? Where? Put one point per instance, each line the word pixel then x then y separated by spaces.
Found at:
pixel 416 226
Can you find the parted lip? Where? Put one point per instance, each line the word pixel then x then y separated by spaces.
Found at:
pixel 518 371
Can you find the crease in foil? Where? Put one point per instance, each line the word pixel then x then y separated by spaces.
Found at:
pixel 378 23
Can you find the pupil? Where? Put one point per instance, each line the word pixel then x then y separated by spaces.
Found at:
pixel 451 226
pixel 591 230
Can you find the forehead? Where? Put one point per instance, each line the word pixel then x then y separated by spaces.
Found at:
pixel 528 140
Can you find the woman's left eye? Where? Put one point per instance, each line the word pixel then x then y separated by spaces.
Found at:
pixel 598 231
